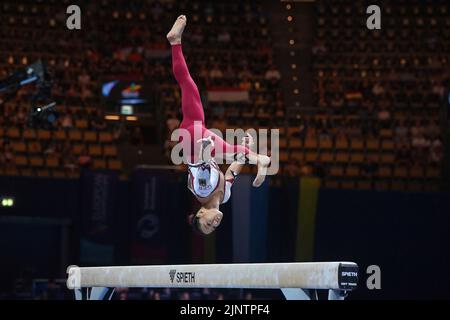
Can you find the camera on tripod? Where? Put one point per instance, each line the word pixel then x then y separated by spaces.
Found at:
pixel 42 111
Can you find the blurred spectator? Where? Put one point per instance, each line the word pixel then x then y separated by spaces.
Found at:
pixel 215 72
pixel 438 89
pixel 245 84
pixel 206 294
pixel 337 101
pixel 156 296
pixel 166 294
pixel 369 168
pixel 97 121
pixel 401 131
pixel 8 153
pixel 272 73
pixel 172 122
pixel 436 151
pixel 53 290
pixel 185 296
pixel 137 138
pixel 292 168
pixel 123 296
pixel 84 159
pixel 67 121
pixel 220 296
pixel 224 37
pixel 377 89
pixel 319 48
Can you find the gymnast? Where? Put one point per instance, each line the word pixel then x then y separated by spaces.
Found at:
pixel 205 179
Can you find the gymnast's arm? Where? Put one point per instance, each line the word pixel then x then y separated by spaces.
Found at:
pixel 236 166
pixel 233 170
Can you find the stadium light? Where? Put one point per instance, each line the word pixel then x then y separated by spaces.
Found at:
pixel 7 202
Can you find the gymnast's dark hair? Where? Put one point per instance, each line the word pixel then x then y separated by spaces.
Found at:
pixel 194 221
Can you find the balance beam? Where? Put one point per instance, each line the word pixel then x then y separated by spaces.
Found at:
pixel 296 280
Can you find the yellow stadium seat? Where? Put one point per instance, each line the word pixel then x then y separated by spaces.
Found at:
pixel 357 158
pixel 26 172
pixel 352 171
pixel 341 144
pixel 311 156
pixel 292 130
pixel 11 171
pixel 416 172
pixel 325 144
pixel 374 157
pixel 326 157
pixel 400 172
pixel 77 148
pixel 433 172
pixel 311 143
pixel 13 133
pixel 58 174
pixel 43 173
pixel 81 124
pixel 284 156
pixel 21 160
pixel 34 147
pixel 348 184
pixel 90 136
pixel 382 185
pixel 297 155
pixel 356 144
pixel 337 171
pixel 99 164
pixel 387 145
pixel 342 157
pixel 398 185
pixel 52 162
pixel 282 144
pixel 75 135
pixel 110 150
pixel 114 164
pixel 386 133
pixel 36 161
pixel 364 185
pixel 29 134
pixel 60 135
pixel 331 184
pixel 295 143
pixel 373 144
pixel 384 172
pixel 19 146
pixel 387 158
pixel 43 134
pixel 95 150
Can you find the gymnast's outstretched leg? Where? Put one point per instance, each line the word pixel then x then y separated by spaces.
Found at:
pixel 192 108
pixel 191 104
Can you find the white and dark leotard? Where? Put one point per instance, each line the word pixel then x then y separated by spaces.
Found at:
pixel 204 179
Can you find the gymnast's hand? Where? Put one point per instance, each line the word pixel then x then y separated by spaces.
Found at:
pixel 206 142
pixel 247 141
pixel 209 141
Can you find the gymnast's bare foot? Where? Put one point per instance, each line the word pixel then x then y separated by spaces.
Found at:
pixel 174 35
pixel 263 164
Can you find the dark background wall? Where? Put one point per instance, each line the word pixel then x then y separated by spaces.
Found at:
pixel 100 219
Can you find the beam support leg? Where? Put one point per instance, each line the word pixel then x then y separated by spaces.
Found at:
pixel 94 293
pixel 299 294
pixel 337 294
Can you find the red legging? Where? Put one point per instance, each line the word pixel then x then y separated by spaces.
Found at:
pixel 192 109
